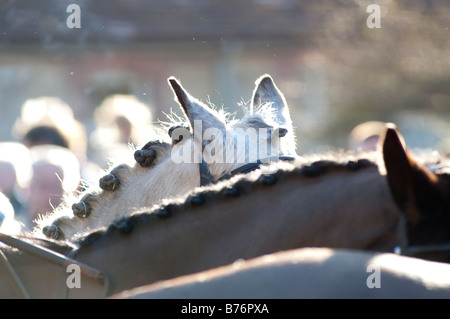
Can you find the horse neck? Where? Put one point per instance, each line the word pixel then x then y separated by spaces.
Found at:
pixel 340 210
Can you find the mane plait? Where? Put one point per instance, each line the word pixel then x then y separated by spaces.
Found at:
pixel 321 167
pixel 126 225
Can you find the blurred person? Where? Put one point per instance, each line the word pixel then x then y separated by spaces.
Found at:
pixel 15 172
pixel 55 174
pixel 121 121
pixel 51 112
pixel 8 224
pixel 43 134
pixel 49 120
pixel 365 136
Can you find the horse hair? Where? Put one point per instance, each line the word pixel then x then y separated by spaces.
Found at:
pixel 237 186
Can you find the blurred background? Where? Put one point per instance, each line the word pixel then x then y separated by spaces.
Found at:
pixel 334 71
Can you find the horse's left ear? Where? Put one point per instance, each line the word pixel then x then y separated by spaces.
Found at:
pixel 412 185
pixel 266 92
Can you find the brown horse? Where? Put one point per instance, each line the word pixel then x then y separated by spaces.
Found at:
pixel 423 196
pixel 309 273
pixel 337 202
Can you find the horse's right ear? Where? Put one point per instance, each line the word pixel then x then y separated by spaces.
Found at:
pixel 194 109
pixel 412 185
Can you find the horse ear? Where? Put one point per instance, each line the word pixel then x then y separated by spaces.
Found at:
pixel 412 185
pixel 267 92
pixel 194 109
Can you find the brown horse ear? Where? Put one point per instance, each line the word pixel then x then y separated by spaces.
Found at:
pixel 412 185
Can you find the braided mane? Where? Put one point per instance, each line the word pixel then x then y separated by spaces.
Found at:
pixel 310 167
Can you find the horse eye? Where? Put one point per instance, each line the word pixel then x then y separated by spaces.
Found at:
pixel 172 129
pixel 177 133
pixel 282 131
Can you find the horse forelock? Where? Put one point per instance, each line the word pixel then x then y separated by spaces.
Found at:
pixel 264 116
pixel 240 185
